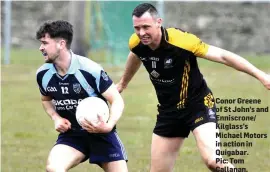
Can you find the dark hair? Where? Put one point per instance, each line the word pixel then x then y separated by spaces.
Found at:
pixel 57 29
pixel 144 7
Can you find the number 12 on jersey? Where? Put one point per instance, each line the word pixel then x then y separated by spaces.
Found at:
pixel 64 90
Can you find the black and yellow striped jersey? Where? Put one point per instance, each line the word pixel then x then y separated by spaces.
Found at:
pixel 173 67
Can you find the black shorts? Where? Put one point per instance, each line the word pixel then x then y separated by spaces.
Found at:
pixel 175 122
pixel 99 148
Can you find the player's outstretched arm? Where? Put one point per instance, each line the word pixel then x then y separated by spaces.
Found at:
pixel 237 62
pixel 132 65
pixel 60 124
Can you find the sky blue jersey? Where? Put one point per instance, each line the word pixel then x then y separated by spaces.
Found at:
pixel 85 78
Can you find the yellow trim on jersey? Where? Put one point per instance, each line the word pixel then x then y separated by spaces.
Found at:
pixel 134 40
pixel 184 86
pixel 187 41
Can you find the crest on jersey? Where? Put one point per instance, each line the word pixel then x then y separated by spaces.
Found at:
pixel 77 88
pixel 168 63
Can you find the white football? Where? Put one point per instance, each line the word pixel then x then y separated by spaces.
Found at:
pixel 90 107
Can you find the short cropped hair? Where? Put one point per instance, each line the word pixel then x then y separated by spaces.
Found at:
pixel 144 7
pixel 57 29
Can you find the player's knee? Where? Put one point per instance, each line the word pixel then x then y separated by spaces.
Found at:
pixel 55 168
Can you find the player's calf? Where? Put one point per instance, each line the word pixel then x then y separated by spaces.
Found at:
pixel 214 164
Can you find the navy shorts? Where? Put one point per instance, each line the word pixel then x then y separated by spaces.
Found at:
pixel 99 148
pixel 175 122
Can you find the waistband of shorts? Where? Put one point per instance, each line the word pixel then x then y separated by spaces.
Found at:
pixel 191 103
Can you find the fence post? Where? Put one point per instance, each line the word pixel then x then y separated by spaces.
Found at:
pixel 7 30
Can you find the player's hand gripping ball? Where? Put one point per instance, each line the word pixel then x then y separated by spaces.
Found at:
pixel 89 109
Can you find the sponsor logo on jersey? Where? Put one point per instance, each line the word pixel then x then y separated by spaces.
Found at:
pixel 67 104
pixel 198 120
pixel 154 59
pixel 143 58
pixel 164 81
pixel 155 74
pixel 114 155
pixel 63 83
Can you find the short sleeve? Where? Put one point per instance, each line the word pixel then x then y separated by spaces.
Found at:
pixel 93 74
pixel 198 47
pixel 188 41
pixel 134 40
pixel 104 81
pixel 39 77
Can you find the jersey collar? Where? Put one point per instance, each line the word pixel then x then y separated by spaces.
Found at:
pixel 74 65
pixel 164 38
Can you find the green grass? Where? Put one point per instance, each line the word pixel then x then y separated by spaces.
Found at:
pixel 28 133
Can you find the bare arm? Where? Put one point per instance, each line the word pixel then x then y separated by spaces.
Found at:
pixel 237 62
pixel 132 65
pixel 61 124
pixel 49 107
pixel 117 104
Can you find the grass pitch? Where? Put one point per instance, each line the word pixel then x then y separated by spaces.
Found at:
pixel 28 133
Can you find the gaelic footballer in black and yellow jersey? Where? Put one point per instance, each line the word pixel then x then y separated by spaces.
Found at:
pixel 179 84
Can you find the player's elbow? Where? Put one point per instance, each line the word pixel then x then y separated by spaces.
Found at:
pixel 226 57
pixel 117 103
pixel 120 103
pixel 217 55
